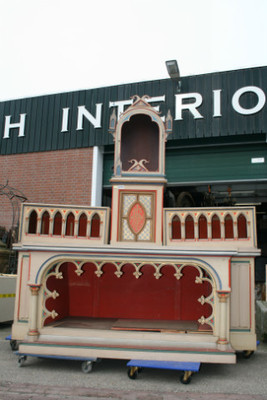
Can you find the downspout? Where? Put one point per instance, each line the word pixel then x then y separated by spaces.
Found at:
pixel 97 177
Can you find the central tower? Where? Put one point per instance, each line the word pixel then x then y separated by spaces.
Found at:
pixel 139 174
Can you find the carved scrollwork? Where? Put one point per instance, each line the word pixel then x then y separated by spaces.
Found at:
pixel 138 165
pixel 157 274
pixel 178 275
pixel 207 300
pixel 79 271
pixel 98 271
pixel 209 320
pixel 54 294
pixel 54 271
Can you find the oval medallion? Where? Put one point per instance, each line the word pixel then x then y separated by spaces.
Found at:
pixel 137 218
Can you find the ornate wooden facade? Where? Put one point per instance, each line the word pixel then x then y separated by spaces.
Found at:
pixel 147 283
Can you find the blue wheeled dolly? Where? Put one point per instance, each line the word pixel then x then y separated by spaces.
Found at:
pixel 87 363
pixel 188 367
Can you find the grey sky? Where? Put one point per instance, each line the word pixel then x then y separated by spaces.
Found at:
pixel 50 46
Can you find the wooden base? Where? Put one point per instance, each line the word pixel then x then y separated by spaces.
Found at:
pixel 155 325
pixel 132 325
pixel 152 340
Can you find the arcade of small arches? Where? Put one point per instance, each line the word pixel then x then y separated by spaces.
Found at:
pixel 212 227
pixel 59 225
pixel 174 291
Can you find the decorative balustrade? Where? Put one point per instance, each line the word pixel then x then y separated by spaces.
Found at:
pixel 231 227
pixel 220 227
pixel 56 224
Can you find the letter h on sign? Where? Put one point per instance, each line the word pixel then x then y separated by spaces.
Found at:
pixel 20 125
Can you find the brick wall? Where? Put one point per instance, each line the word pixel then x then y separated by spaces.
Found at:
pixel 62 177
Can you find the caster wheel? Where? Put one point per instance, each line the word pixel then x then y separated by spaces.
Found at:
pixel 13 345
pixel 21 360
pixel 186 378
pixel 87 366
pixel 247 353
pixel 133 372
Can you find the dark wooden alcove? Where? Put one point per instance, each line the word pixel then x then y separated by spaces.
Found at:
pixel 140 141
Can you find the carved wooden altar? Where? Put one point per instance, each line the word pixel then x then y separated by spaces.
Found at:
pixel 141 281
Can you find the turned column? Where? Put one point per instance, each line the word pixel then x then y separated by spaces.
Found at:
pixel 223 317
pixel 33 331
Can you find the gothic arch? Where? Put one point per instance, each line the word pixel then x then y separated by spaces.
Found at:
pixel 117 270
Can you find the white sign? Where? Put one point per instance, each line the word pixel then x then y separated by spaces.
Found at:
pixel 258 160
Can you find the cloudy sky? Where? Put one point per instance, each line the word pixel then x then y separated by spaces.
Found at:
pixel 51 46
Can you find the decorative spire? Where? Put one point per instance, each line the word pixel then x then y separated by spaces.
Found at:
pixel 112 123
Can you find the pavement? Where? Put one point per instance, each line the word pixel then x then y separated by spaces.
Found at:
pixel 59 379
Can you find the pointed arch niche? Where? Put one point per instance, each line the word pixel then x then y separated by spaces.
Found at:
pixel 140 144
pixel 140 136
pixel 32 228
pixel 102 293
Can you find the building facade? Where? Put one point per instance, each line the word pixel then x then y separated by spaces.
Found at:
pixel 57 149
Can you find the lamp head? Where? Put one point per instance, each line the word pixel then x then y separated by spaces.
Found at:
pixel 173 70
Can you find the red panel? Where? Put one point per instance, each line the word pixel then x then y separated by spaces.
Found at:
pixel 176 227
pixel 202 227
pixel 57 224
pixel 242 227
pixel 70 225
pixel 146 297
pixel 82 225
pixel 229 227
pixel 33 222
pixel 81 291
pixel 165 298
pixel 216 227
pixel 45 223
pixel 189 228
pixel 95 226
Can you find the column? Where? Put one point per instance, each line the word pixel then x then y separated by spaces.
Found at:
pixel 33 331
pixel 223 229
pixel 38 228
pixel 50 232
pixel 182 229
pixel 223 317
pixel 76 228
pixel 196 230
pixel 235 228
pixel 209 230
